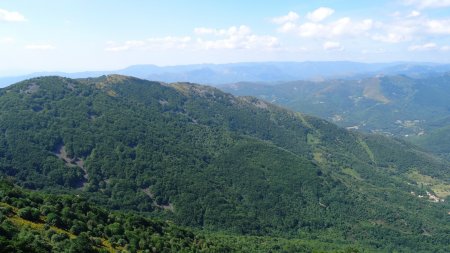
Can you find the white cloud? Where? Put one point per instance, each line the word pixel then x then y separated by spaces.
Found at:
pixel 11 16
pixel 287 27
pixel 398 27
pixel 42 47
pixel 290 17
pixel 168 42
pixel 233 30
pixel 438 26
pixel 310 30
pixel 399 30
pixel 424 47
pixel 340 27
pixel 314 28
pixel 319 14
pixel 235 38
pixel 413 14
pixel 332 46
pixel 247 42
pixel 424 4
pixel 345 26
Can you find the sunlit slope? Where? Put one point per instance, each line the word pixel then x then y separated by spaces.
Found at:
pixel 205 158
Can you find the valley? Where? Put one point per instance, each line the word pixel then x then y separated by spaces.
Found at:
pixel 400 106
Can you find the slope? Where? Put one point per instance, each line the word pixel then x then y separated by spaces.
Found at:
pixel 398 106
pixel 37 222
pixel 204 158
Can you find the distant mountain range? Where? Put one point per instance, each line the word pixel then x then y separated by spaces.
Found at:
pixel 214 74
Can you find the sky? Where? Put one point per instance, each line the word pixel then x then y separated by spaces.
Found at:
pixel 84 35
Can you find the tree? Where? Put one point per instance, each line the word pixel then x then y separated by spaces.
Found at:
pixel 29 213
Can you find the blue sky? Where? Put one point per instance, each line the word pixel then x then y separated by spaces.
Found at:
pixel 82 35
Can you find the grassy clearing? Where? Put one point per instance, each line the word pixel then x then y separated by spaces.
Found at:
pixel 40 226
pixel 352 172
pixel 367 149
pixel 318 157
pixel 440 188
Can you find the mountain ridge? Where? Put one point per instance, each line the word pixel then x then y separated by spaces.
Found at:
pixel 223 163
pixel 398 105
pixel 271 72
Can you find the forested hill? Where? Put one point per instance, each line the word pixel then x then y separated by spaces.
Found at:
pixel 204 158
pixel 415 108
pixel 34 222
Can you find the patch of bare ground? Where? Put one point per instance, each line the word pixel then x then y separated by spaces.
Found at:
pixel 61 153
pixel 168 207
pixel 373 91
pixel 32 88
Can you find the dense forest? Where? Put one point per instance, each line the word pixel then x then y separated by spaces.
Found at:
pixel 415 108
pixel 36 222
pixel 232 169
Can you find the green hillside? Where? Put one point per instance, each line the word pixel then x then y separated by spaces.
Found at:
pixel 36 222
pixel 235 165
pixel 400 106
pixel 31 222
pixel 437 141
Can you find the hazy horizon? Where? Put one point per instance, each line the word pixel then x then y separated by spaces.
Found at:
pixel 79 36
pixel 29 72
